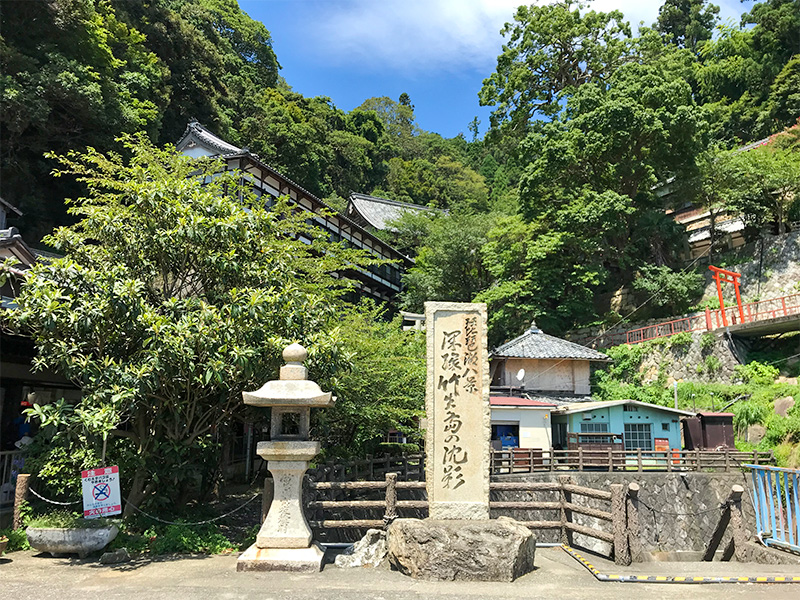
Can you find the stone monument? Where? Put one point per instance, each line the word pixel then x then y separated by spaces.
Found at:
pixel 284 541
pixel 457 406
pixel 458 541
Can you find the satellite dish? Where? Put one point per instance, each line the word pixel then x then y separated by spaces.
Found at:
pixel 520 374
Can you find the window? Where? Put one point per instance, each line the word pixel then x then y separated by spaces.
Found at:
pixel 594 428
pixel 630 408
pixel 665 427
pixel 638 436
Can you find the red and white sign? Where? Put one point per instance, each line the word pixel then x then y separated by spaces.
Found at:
pixel 101 497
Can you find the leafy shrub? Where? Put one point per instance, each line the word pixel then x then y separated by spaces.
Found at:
pixel 17 540
pixel 712 364
pixel 707 342
pixel 675 290
pixel 757 373
pixel 186 539
pixel 67 520
pixel 680 341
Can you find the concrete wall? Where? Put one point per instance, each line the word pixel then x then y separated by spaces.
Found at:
pixel 570 376
pixel 534 425
pixel 678 512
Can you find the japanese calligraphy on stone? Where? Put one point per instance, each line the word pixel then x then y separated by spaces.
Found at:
pixel 457 406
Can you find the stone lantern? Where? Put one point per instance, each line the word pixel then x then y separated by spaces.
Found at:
pixel 284 541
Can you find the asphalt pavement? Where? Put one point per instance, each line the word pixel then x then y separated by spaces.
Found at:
pixel 31 576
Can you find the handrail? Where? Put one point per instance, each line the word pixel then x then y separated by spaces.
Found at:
pixel 777 506
pixel 783 306
pixel 530 460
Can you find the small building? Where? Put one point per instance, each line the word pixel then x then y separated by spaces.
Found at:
pixel 543 364
pixel 642 426
pixel 520 422
pixel 709 431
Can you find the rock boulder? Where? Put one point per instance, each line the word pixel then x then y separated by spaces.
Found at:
pixel 493 550
pixel 369 551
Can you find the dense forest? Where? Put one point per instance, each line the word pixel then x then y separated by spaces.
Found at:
pixel 558 202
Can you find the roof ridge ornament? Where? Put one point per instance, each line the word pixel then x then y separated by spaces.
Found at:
pixel 533 328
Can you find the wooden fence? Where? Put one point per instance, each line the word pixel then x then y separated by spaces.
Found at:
pixel 409 467
pixel 523 460
pixel 621 512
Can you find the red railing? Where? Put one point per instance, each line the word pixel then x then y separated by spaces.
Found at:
pixel 668 328
pixel 763 310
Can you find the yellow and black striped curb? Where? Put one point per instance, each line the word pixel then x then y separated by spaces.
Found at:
pixel 673 578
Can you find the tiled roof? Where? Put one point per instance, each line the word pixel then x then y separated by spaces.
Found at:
pixel 535 344
pixel 378 212
pixel 205 137
pixel 516 401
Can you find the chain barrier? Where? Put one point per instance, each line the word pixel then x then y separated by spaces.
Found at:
pixel 149 516
pixel 49 501
pixel 227 514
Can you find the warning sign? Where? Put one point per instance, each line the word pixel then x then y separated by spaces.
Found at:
pixel 101 497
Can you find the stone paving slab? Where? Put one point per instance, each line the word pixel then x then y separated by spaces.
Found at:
pixel 28 576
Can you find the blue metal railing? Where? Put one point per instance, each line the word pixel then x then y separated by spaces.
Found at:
pixel 777 506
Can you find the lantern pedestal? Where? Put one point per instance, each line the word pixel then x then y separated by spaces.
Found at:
pixel 284 542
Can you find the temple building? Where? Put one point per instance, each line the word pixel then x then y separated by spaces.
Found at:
pixel 380 282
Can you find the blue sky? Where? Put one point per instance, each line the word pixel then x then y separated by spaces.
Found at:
pixel 437 51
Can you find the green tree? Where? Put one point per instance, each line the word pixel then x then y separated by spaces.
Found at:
pixel 383 389
pixel 675 290
pixel 449 267
pixel 784 97
pixel 535 274
pixel 177 291
pixel 551 50
pixel 687 22
pixel 73 74
pixel 765 184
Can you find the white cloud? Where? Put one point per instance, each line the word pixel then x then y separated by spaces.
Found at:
pixel 425 36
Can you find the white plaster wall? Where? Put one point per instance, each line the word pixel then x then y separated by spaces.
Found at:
pixel 548 375
pixel 580 374
pixel 534 425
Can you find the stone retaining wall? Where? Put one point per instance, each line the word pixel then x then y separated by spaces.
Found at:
pixel 780 276
pixel 678 511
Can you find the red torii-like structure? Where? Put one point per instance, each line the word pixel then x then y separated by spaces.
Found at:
pixel 724 276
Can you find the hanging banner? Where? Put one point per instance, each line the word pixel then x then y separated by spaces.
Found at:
pixel 101 497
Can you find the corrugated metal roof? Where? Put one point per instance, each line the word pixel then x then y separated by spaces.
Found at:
pixel 535 344
pixel 588 406
pixel 378 212
pixel 517 401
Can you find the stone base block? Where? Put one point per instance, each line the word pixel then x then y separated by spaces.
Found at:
pixel 493 550
pixel 301 560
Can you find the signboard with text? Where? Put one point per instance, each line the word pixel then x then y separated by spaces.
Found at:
pixel 457 407
pixel 101 497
